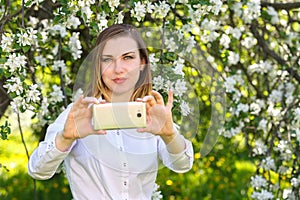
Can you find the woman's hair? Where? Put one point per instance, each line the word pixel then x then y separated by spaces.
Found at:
pixel 97 87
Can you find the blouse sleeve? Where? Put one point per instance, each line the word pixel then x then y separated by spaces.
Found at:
pixel 181 162
pixel 46 158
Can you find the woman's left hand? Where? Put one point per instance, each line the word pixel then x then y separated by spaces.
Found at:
pixel 159 115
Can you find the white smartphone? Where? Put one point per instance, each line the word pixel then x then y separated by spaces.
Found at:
pixel 119 115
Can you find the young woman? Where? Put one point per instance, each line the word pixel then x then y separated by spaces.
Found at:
pixel 122 163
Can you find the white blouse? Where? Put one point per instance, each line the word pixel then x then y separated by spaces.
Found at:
pixel 120 165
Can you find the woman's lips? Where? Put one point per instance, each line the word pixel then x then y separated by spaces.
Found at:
pixel 119 80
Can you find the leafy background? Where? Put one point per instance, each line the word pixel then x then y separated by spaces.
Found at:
pixel 241 69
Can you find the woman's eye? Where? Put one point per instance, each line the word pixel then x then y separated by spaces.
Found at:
pixel 128 57
pixel 106 60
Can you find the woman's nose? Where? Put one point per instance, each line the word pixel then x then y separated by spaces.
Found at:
pixel 118 68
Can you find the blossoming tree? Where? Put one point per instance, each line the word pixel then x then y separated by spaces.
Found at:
pixel 234 62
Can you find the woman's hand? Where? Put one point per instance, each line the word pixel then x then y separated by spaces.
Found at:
pixel 160 121
pixel 79 120
pixel 78 123
pixel 159 115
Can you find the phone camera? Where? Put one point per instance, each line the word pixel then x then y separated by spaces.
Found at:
pixel 139 114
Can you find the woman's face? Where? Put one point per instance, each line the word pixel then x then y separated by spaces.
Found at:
pixel 121 65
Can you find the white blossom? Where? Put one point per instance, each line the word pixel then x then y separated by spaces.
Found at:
pixel 87 13
pixel 268 164
pixel 232 132
pixel 191 44
pixel 284 148
pixel 296 113
pixel 33 94
pixel 101 18
pixel 251 10
pixel 23 39
pixel 180 88
pixel 6 42
pixel 262 195
pixel 289 89
pixel 44 106
pixel 289 194
pixel 230 84
pixel 41 59
pixel 210 25
pixel 168 85
pixel 153 61
pixel 14 84
pixel 237 8
pixel 185 109
pixel 83 3
pixel 297 134
pixel 73 21
pixel 158 83
pixel 56 95
pixel 179 64
pixel 33 21
pixel 113 4
pixel 242 108
pixel 273 13
pixel 258 181
pixel 18 103
pixel 273 111
pixel 249 42
pixel 217 6
pixel 260 148
pixel 161 9
pixel 261 67
pixel 15 63
pixel 225 41
pixel 283 169
pixel 58 28
pixel 156 194
pixel 120 18
pixel 75 45
pixel 235 32
pixel 139 11
pixel 171 44
pixel 60 64
pixel 233 58
pixel 149 7
pixel 275 96
pixel 295 182
pixel 257 106
pixel 263 125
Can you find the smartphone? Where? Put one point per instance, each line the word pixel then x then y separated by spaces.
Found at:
pixel 119 115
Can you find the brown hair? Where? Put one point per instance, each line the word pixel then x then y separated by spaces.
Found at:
pixel 97 87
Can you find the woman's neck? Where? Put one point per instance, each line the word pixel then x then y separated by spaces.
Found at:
pixel 124 97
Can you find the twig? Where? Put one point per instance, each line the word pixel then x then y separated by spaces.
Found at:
pixel 22 136
pixel 271 53
pixel 280 6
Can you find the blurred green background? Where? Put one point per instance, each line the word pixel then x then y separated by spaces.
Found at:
pixel 223 174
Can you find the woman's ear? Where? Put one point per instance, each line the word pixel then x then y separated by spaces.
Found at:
pixel 143 64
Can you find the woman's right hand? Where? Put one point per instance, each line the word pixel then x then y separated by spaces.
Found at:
pixel 79 120
pixel 78 123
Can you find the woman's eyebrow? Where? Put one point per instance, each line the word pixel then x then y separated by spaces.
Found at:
pixel 130 52
pixel 124 54
pixel 107 56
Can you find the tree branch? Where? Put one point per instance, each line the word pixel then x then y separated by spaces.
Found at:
pixel 262 43
pixel 280 6
pixel 4 100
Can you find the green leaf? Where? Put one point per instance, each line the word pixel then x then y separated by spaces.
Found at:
pixel 5 130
